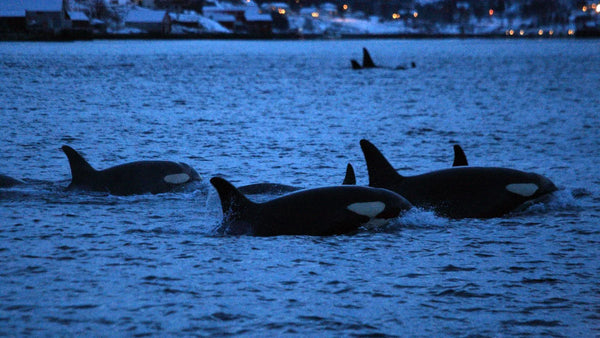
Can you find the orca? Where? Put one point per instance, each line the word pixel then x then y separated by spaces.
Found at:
pixel 278 189
pixel 368 63
pixel 350 177
pixel 7 181
pixel 133 178
pixel 318 212
pixel 459 192
pixel 460 159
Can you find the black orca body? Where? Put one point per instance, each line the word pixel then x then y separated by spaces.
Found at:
pixel 267 188
pixel 317 212
pixel 278 189
pixel 7 181
pixel 459 192
pixel 131 178
pixel 460 159
pixel 368 63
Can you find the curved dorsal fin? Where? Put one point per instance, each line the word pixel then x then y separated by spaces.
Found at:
pixel 381 172
pixel 460 159
pixel 355 64
pixel 81 170
pixel 367 61
pixel 350 178
pixel 233 202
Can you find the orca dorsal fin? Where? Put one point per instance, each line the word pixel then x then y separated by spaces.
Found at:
pixel 355 64
pixel 367 61
pixel 233 202
pixel 381 172
pixel 460 159
pixel 350 178
pixel 81 170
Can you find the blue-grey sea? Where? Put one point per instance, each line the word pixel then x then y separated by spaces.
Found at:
pixel 293 112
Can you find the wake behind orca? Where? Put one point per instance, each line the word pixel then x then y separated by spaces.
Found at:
pixel 318 212
pixel 459 192
pixel 131 178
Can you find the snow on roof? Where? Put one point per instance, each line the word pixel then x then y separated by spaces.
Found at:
pixel 140 14
pixel 257 16
pixel 220 17
pixel 12 13
pixel 194 18
pixel 17 8
pixel 78 16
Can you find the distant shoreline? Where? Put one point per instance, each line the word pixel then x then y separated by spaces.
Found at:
pixel 23 37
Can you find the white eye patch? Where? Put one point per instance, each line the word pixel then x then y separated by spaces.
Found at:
pixel 523 189
pixel 369 209
pixel 177 178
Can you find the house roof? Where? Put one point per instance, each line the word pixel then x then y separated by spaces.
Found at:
pixel 257 16
pixel 140 14
pixel 17 8
pixel 78 16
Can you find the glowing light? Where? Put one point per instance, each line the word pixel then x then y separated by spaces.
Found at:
pixel 551 32
pixel 598 9
pixel 571 32
pixel 415 14
pixel 541 32
pixel 594 6
pixel 281 11
pixel 584 8
pixel 395 16
pixel 521 32
pixel 345 7
pixel 314 14
pixel 491 12
pixel 511 32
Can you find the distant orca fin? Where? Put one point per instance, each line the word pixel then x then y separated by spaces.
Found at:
pixel 381 172
pixel 81 170
pixel 460 159
pixel 233 202
pixel 367 61
pixel 350 178
pixel 355 64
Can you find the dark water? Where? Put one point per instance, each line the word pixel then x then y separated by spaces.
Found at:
pixel 293 113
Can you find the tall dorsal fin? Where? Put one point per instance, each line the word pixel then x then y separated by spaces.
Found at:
pixel 355 64
pixel 233 202
pixel 367 61
pixel 350 178
pixel 81 170
pixel 460 159
pixel 381 172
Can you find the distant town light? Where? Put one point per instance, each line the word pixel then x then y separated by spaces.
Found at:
pixel 521 32
pixel 395 16
pixel 511 32
pixel 597 9
pixel 551 32
pixel 594 6
pixel 541 32
pixel 315 14
pixel 491 11
pixel 281 11
pixel 415 14
pixel 345 7
pixel 584 8
pixel 571 32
